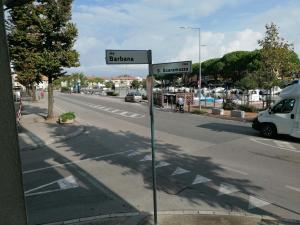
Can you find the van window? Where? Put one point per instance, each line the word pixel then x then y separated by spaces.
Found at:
pixel 284 106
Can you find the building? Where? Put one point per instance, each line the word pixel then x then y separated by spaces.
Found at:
pixel 123 80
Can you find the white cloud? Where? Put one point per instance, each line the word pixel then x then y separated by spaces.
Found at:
pixel 153 24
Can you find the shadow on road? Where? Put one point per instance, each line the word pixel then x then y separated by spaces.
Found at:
pixel 93 197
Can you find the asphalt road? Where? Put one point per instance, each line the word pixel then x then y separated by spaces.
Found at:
pixel 203 163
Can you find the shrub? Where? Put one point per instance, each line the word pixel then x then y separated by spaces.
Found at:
pixel 67 116
pixel 247 108
pixel 229 105
pixel 198 111
pixel 112 93
pixel 64 89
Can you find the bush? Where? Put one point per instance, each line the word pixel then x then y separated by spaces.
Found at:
pixel 198 111
pixel 67 116
pixel 229 105
pixel 64 89
pixel 112 93
pixel 248 108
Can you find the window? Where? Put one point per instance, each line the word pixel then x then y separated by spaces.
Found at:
pixel 284 106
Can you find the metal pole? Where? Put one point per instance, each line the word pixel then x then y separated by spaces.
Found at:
pixel 199 84
pixel 152 141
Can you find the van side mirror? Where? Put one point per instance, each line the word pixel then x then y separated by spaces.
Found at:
pixel 270 110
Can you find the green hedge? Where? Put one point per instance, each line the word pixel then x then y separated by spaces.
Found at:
pixel 67 116
pixel 198 111
pixel 112 93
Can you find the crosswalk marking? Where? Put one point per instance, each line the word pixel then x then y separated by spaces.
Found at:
pixel 284 144
pixel 256 202
pixel 179 170
pixel 200 179
pixel 227 189
pixel 162 164
pixel 117 111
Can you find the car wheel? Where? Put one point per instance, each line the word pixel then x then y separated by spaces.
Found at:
pixel 268 130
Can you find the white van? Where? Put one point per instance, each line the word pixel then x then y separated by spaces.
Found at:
pixel 284 116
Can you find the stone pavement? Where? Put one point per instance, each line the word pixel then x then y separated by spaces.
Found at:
pixel 35 131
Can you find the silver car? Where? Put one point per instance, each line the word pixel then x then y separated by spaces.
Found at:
pixel 133 97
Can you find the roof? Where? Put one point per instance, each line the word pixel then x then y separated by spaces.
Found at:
pixel 124 78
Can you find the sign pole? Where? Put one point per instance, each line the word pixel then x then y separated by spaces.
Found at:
pixel 152 139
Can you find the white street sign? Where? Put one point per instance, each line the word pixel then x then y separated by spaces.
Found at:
pixel 172 68
pixel 127 57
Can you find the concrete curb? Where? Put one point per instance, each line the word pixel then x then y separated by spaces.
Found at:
pixel 53 140
pixel 140 218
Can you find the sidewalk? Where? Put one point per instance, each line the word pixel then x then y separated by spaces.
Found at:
pixel 35 131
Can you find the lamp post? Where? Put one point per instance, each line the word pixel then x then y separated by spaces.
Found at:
pixel 199 83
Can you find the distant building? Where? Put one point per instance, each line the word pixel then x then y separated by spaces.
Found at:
pixel 43 84
pixel 123 80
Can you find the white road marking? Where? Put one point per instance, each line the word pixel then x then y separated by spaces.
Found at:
pixel 234 170
pixel 284 144
pixel 162 164
pixel 293 188
pixel 134 115
pixel 256 202
pixel 74 162
pixel 116 111
pixel 273 146
pixel 200 179
pixel 68 182
pixel 123 113
pixel 134 153
pixel 146 158
pixel 227 189
pixel 179 170
pixel 64 184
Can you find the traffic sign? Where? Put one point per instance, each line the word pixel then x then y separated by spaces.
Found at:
pixel 127 57
pixel 172 67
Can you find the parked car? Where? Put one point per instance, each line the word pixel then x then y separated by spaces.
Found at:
pixel 133 97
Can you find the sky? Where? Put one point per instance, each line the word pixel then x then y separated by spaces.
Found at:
pixel 226 25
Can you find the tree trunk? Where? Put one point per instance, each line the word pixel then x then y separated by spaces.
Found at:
pixel 50 99
pixel 33 93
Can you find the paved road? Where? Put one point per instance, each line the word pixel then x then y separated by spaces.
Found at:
pixel 203 164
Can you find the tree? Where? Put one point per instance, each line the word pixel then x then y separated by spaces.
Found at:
pixel 247 83
pixel 23 44
pixel 54 36
pixel 109 84
pixel 275 58
pixel 136 84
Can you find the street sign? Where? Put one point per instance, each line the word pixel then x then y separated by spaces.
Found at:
pixel 173 67
pixel 127 57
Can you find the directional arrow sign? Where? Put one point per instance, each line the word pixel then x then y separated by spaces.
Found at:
pixel 127 57
pixel 173 67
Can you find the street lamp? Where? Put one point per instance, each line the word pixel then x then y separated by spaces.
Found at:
pixel 199 84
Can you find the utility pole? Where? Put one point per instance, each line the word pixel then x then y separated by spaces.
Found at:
pixel 12 202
